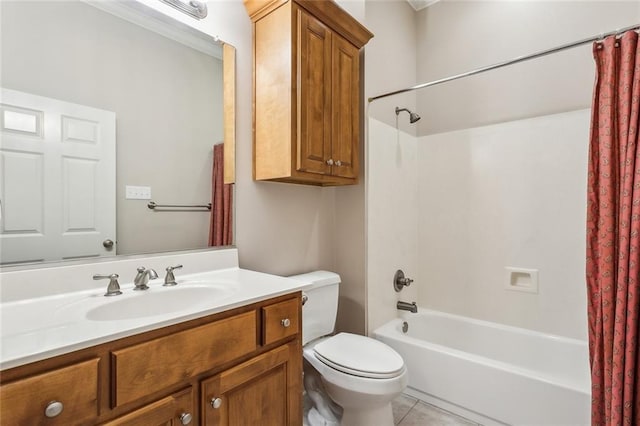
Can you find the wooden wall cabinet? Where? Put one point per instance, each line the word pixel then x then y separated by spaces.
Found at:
pixel 238 367
pixel 307 91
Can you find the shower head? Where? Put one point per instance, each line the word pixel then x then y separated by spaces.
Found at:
pixel 413 117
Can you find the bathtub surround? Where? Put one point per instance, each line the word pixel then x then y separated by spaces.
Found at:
pixel 454 210
pixel 613 228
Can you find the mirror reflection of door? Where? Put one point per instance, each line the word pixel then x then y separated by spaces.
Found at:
pixel 57 167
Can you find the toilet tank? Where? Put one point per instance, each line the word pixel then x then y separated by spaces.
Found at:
pixel 320 310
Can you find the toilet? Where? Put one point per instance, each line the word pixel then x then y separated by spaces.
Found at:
pixel 360 374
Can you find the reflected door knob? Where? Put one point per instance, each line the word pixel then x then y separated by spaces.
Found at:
pixel 108 244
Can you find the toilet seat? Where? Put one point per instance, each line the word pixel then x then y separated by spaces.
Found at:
pixel 359 356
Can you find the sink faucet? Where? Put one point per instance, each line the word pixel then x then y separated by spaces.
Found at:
pixel 406 306
pixel 142 278
pixel 114 288
pixel 170 278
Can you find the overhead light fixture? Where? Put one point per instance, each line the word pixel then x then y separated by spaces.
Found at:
pixel 194 8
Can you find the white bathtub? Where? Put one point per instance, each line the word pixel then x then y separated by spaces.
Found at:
pixel 491 373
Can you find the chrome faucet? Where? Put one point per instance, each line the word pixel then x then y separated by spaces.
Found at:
pixel 406 306
pixel 142 278
pixel 170 278
pixel 114 288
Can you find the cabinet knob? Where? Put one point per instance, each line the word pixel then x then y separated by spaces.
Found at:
pixel 330 162
pixel 285 322
pixel 338 163
pixel 185 418
pixel 216 402
pixel 53 409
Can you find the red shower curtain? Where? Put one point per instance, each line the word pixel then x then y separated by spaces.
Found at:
pixel 613 233
pixel 221 228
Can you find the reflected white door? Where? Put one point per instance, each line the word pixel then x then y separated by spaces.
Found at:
pixel 57 179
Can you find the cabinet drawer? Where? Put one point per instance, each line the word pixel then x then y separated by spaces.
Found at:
pixel 159 363
pixel 76 387
pixel 280 320
pixel 175 409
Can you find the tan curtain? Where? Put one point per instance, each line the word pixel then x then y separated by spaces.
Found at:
pixel 221 228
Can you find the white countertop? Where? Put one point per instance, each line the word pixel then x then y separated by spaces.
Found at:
pixel 38 328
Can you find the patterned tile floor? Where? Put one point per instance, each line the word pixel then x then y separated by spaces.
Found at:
pixel 408 411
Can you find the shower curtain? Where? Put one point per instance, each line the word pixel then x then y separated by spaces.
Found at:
pixel 221 227
pixel 613 233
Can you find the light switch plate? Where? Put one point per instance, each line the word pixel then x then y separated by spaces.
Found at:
pixel 137 192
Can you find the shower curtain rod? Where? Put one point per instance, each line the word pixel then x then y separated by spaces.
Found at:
pixel 509 62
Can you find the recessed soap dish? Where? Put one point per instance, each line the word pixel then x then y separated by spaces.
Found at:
pixel 521 279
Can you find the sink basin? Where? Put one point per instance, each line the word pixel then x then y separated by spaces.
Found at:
pixel 162 301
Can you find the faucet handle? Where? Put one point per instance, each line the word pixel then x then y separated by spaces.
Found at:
pixel 170 279
pixel 400 281
pixel 113 289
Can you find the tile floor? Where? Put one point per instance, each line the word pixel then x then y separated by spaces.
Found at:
pixel 408 411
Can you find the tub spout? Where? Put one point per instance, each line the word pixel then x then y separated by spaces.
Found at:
pixel 406 306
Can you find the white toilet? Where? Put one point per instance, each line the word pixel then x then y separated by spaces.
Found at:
pixel 362 375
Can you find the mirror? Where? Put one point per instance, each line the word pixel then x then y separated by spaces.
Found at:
pixel 106 107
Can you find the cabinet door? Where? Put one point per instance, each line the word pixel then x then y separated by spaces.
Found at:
pixel 174 410
pixel 314 95
pixel 262 391
pixel 345 114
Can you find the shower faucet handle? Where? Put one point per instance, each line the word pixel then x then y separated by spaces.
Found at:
pixel 400 282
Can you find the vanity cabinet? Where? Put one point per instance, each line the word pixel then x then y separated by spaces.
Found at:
pixel 307 91
pixel 242 366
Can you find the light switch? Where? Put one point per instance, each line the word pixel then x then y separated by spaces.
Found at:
pixel 137 192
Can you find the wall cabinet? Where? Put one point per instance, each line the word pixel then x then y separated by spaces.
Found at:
pixel 238 367
pixel 307 91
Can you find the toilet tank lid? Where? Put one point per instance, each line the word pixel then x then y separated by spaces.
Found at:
pixel 318 278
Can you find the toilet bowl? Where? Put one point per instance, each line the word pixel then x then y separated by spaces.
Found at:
pixel 360 374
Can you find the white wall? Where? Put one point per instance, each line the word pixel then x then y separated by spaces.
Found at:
pixel 391 192
pixel 392 219
pixel 459 36
pixel 506 195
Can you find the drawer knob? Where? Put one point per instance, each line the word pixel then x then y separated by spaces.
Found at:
pixel 286 322
pixel 53 409
pixel 216 402
pixel 330 162
pixel 185 418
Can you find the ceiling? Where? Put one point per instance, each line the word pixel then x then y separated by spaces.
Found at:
pixel 421 4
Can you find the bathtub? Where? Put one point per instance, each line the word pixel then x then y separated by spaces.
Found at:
pixel 491 373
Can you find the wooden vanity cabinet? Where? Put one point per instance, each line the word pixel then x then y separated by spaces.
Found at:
pixel 307 91
pixel 242 366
